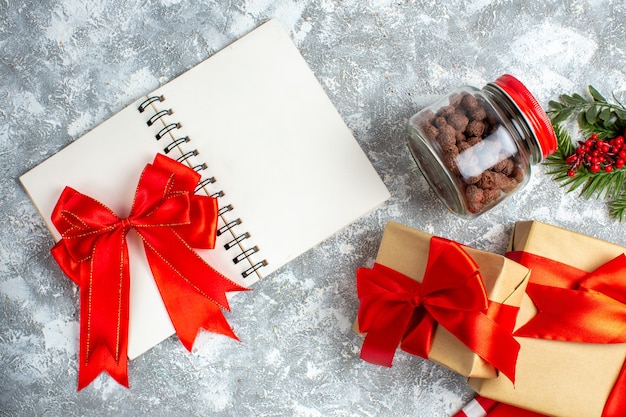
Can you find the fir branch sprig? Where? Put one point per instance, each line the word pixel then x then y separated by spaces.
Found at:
pixel 617 207
pixel 602 120
pixel 596 115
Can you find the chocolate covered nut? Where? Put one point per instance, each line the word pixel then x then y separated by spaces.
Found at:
pixel 491 195
pixel 478 113
pixel 449 161
pixel 458 121
pixel 469 102
pixel 505 166
pixel 475 128
pixel 487 180
pixel 474 197
pixel 447 130
pixel 500 165
pixel 509 167
pixel 518 174
pixel 500 180
pixel 430 131
pixel 446 111
pixel 463 146
pixel 509 184
pixel 447 138
pixel 440 121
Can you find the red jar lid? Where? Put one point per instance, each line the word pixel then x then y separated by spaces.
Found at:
pixel 534 113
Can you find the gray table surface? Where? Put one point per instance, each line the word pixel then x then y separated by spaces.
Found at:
pixel 66 66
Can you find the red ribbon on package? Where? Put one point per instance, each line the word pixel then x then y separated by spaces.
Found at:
pixel 170 220
pixel 479 406
pixel 485 407
pixel 397 310
pixel 579 306
pixel 506 410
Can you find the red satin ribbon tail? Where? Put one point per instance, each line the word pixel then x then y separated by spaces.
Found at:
pixel 97 349
pixel 502 353
pixel 591 317
pixel 187 265
pixel 384 334
pixel 102 360
pixel 614 406
pixel 188 309
pixel 376 356
pixel 211 318
pixel 215 322
pixel 479 333
pixel 104 308
pixel 503 314
pixel 491 342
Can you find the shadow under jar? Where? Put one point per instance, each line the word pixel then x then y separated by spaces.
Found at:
pixel 475 147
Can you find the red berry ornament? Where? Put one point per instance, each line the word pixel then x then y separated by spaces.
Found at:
pixel 598 155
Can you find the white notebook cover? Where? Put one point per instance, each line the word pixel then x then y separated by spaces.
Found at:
pixel 278 149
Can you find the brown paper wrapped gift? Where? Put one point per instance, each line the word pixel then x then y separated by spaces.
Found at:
pixel 405 251
pixel 560 378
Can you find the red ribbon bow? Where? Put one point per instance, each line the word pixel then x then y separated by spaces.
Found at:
pixel 170 219
pixel 579 306
pixel 397 310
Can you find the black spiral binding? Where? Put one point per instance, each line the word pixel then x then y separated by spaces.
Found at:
pixel 144 104
pixel 157 116
pixel 174 144
pixel 168 130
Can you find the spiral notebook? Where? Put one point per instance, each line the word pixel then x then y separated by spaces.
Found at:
pixel 256 123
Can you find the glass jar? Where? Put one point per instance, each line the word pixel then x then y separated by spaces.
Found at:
pixel 475 147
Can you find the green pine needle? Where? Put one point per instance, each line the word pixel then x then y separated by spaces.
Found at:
pixel 617 208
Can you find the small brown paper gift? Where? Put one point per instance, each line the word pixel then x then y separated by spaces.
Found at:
pixel 419 263
pixel 561 378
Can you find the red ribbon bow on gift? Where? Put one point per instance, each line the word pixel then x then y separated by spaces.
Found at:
pixel 170 219
pixel 397 310
pixel 579 306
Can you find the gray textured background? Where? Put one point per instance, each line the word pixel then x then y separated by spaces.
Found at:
pixel 66 66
